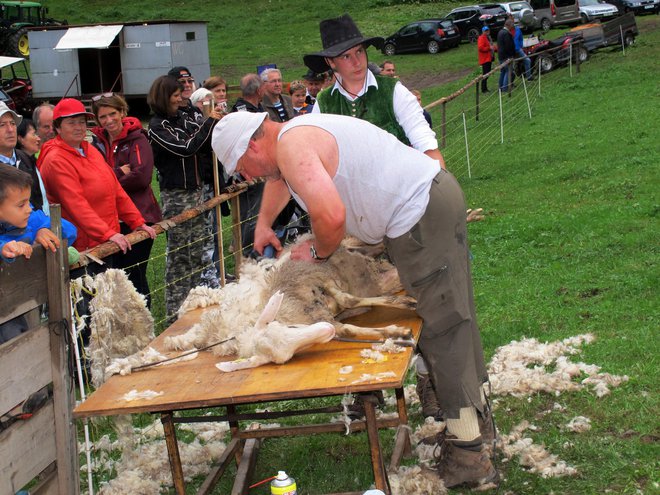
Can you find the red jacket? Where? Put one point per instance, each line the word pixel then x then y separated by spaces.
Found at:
pixel 485 50
pixel 88 191
pixel 132 148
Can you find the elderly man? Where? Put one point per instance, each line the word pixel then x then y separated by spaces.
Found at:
pixel 250 99
pixel 347 174
pixel 9 121
pixel 42 116
pixel 277 105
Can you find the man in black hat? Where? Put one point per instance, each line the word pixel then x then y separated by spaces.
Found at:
pixel 314 83
pixel 383 101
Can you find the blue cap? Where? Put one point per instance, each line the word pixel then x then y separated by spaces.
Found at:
pixel 484 29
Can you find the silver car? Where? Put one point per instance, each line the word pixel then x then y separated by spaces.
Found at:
pixel 523 14
pixel 590 10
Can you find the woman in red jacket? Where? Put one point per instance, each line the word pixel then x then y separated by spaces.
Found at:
pixel 124 145
pixel 486 50
pixel 77 177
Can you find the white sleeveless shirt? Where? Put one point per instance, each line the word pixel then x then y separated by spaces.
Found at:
pixel 383 183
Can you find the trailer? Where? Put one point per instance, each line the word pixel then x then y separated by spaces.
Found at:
pixel 619 31
pixel 82 61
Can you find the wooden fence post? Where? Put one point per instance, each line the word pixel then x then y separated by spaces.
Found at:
pixel 476 108
pixel 236 232
pixel 444 124
pixel 59 321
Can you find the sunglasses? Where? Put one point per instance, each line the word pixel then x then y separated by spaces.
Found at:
pixel 102 95
pixel 185 80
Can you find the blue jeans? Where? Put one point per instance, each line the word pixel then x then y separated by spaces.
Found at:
pixel 527 62
pixel 504 78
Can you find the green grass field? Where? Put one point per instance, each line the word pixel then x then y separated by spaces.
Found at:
pixel 569 246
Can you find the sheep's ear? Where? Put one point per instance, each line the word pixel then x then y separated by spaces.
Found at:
pixel 271 309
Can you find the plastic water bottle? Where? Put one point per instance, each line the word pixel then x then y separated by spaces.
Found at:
pixel 283 485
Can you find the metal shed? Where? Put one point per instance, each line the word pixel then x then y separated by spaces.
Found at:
pixel 91 59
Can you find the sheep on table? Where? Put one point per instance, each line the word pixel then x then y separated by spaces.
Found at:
pixel 310 294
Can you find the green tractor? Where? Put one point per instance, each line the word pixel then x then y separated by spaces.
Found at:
pixel 15 19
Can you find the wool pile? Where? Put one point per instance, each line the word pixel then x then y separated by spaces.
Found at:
pixel 528 366
pixel 534 457
pixel 144 467
pixel 120 321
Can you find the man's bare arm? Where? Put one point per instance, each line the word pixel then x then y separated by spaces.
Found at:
pixel 300 155
pixel 275 197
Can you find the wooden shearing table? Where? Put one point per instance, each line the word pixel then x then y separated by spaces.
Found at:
pixel 198 384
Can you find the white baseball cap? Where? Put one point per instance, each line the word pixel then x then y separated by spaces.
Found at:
pixel 231 137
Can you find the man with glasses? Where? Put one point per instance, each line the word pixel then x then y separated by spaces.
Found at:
pixel 9 155
pixel 183 75
pixel 278 105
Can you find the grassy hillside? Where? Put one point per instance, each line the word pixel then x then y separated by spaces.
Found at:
pixel 243 34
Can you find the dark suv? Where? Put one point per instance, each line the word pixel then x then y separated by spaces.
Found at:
pixel 469 20
pixel 637 6
pixel 429 35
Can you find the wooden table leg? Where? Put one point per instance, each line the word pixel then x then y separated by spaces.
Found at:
pixel 173 452
pixel 380 476
pixel 402 444
pixel 234 429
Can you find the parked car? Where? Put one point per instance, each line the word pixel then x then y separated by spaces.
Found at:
pixel 637 6
pixel 590 10
pixel 469 20
pixel 523 15
pixel 429 35
pixel 554 12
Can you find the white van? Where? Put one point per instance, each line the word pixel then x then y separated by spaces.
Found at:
pixel 554 12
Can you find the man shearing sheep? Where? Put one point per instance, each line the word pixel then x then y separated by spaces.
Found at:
pixel 347 174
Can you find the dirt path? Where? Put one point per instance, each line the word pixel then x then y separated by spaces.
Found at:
pixel 426 80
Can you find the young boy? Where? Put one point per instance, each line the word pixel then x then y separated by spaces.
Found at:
pixel 298 92
pixel 20 227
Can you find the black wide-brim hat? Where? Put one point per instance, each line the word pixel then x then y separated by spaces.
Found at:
pixel 337 36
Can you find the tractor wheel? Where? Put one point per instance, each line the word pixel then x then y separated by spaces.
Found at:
pixel 18 44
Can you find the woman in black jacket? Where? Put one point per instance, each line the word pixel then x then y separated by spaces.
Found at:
pixel 176 139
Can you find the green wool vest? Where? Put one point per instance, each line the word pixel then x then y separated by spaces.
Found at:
pixel 375 106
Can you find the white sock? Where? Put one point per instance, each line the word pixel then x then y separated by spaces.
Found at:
pixel 466 428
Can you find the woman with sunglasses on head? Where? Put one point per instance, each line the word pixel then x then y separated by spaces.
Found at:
pixel 123 143
pixel 179 144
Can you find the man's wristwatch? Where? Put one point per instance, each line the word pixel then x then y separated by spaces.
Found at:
pixel 312 251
